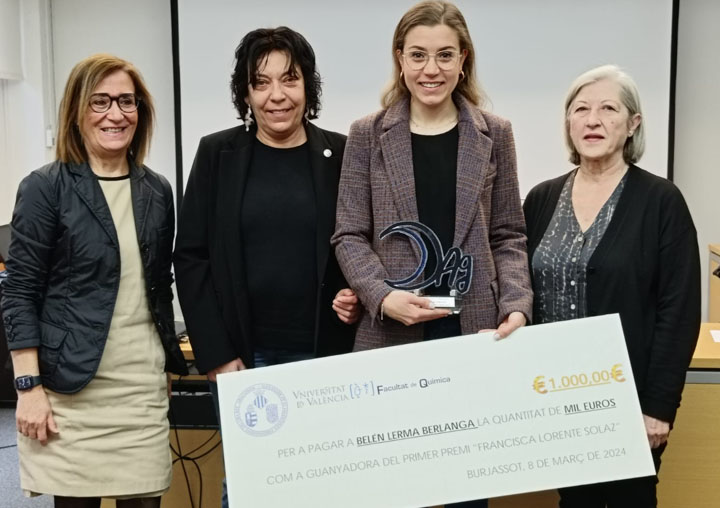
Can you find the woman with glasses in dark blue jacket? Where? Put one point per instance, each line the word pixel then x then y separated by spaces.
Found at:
pixel 88 304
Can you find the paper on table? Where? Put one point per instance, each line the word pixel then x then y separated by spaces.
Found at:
pixel 715 335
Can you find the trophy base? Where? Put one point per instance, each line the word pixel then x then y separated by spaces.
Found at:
pixel 452 302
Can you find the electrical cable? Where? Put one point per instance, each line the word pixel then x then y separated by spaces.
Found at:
pixel 212 436
pixel 210 450
pixel 195 459
pixel 182 461
pixel 182 457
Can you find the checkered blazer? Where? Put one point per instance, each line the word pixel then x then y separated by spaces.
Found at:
pixel 377 189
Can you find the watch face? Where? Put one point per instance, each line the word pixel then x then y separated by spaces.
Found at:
pixel 24 383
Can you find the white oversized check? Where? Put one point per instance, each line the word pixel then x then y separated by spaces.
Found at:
pixel 436 422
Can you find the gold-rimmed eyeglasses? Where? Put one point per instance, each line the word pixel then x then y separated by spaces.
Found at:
pixel 417 60
pixel 101 102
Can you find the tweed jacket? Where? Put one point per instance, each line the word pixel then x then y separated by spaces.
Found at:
pixel 377 189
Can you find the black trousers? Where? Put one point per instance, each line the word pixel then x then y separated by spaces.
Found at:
pixel 631 493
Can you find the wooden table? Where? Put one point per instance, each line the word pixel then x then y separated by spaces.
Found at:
pixel 690 471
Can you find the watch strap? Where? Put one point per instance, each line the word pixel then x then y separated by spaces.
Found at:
pixel 27 382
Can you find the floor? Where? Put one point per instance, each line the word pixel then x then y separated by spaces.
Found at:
pixel 10 494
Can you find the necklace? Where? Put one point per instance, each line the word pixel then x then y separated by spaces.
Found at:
pixel 433 129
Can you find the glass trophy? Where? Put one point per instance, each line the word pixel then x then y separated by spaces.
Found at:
pixel 453 266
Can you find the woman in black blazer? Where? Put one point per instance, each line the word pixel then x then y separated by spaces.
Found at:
pixel 609 237
pixel 255 273
pixel 256 277
pixel 87 305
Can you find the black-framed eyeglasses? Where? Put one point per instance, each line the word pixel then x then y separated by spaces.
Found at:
pixel 101 102
pixel 417 60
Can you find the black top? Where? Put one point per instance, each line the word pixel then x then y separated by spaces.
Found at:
pixel 435 168
pixel 647 269
pixel 279 211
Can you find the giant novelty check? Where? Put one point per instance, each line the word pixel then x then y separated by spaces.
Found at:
pixel 436 422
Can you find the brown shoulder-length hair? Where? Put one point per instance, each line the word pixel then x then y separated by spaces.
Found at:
pixel 432 13
pixel 83 80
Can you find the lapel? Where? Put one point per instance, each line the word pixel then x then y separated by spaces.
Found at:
pixel 396 146
pixel 474 153
pixel 89 191
pixel 325 173
pixel 142 196
pixel 473 159
pixel 233 164
pixel 396 149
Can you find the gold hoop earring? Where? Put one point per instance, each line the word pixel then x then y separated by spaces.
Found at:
pixel 401 73
pixel 462 75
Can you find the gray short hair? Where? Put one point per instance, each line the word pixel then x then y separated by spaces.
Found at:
pixel 629 96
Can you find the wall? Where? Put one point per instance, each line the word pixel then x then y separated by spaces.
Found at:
pixel 10 40
pixel 22 109
pixel 697 130
pixel 527 54
pixel 55 36
pixel 82 27
pixel 136 30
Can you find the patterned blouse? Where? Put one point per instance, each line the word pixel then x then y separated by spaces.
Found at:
pixel 560 261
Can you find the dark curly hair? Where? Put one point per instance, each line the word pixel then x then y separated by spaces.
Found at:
pixel 254 49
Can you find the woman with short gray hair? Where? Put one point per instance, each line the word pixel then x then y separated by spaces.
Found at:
pixel 609 237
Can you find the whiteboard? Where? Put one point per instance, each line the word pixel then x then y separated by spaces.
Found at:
pixel 528 53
